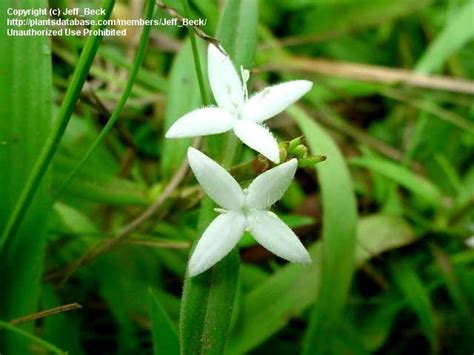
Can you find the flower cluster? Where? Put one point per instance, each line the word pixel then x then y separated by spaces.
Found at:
pixel 241 209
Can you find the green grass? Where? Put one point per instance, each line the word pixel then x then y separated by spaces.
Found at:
pixel 385 217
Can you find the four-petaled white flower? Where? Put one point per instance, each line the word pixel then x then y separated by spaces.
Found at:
pixel 235 110
pixel 243 210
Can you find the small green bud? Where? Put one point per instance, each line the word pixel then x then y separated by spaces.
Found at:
pixel 294 143
pixel 303 163
pixel 300 151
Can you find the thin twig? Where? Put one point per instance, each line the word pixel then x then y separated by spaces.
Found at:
pixel 372 73
pixel 47 313
pixel 157 244
pixel 106 245
pixel 200 33
pixel 430 107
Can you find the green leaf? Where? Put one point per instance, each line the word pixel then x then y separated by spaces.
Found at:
pixel 260 319
pixel 165 338
pixel 24 334
pixel 332 19
pixel 98 185
pixel 183 96
pixel 338 238
pixel 60 123
pixel 238 31
pixel 458 31
pixel 418 299
pixel 381 232
pixel 400 174
pixel 140 54
pixel 62 329
pixel 25 117
pixel 373 326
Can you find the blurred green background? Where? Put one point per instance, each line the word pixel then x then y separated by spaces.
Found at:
pixel 388 217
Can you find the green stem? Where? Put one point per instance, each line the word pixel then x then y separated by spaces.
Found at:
pixel 230 150
pixel 123 99
pixel 34 338
pixel 60 124
pixel 197 62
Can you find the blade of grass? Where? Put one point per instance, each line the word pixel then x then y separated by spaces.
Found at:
pixel 453 286
pixel 418 300
pixel 351 16
pixel 43 343
pixel 197 60
pixel 60 124
pixel 98 185
pixel 237 31
pixel 165 338
pixel 338 238
pixel 182 97
pixel 261 319
pixel 458 31
pixel 137 62
pixel 25 116
pixel 414 183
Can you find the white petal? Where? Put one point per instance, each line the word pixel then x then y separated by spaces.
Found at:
pixel 272 233
pixel 274 99
pixel 215 180
pixel 258 138
pixel 201 122
pixel 217 241
pixel 224 79
pixel 270 186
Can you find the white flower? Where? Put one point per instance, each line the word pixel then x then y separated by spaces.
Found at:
pixel 235 110
pixel 470 241
pixel 243 210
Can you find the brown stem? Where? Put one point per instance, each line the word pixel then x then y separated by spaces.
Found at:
pixel 47 313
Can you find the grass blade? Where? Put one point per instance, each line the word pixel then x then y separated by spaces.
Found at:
pixel 25 115
pixel 414 183
pixel 182 97
pixel 60 124
pixel 137 62
pixel 458 31
pixel 32 337
pixel 165 338
pixel 237 31
pixel 261 319
pixel 338 238
pixel 418 300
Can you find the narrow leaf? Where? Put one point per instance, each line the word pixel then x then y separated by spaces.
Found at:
pixel 183 97
pixel 458 31
pixel 400 174
pixel 260 319
pixel 338 238
pixel 165 338
pixel 25 116
pixel 49 148
pixel 418 300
